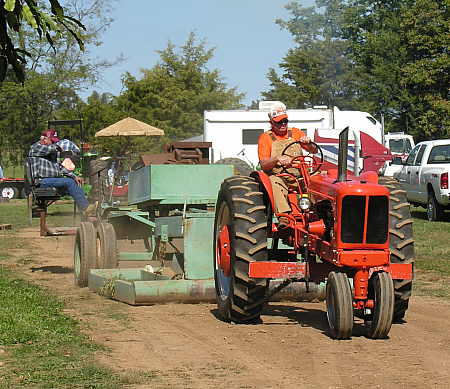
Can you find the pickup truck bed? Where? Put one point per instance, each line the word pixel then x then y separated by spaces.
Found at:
pixel 425 177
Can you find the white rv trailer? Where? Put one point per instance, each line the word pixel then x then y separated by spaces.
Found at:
pixel 234 133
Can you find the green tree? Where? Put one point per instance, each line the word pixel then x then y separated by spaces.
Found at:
pixel 400 48
pixel 54 77
pixel 46 23
pixel 174 93
pixel 317 71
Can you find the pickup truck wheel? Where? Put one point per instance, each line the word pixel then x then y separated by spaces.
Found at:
pixel 435 212
pixel 240 237
pixel 401 242
pixel 8 191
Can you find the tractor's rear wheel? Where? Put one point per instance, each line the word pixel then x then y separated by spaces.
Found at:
pixel 401 242
pixel 381 290
pixel 106 247
pixel 240 237
pixel 240 167
pixel 339 302
pixel 85 253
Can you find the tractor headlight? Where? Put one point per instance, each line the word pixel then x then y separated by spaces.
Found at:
pixel 304 203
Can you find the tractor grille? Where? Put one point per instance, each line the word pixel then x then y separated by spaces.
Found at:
pixel 354 215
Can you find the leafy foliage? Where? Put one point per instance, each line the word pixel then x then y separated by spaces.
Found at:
pixel 317 71
pixel 174 94
pixel 15 13
pixel 401 48
pixel 387 57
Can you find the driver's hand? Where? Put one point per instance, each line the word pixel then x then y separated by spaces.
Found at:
pixel 284 160
pixel 79 180
pixel 305 139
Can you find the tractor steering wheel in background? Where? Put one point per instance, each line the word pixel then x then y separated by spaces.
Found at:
pixel 314 163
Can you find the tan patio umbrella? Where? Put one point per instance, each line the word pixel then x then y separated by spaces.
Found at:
pixel 130 127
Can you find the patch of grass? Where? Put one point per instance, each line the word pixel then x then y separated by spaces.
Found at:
pixel 45 347
pixel 432 255
pixel 15 212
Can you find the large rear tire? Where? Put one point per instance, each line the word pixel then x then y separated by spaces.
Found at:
pixel 241 167
pixel 381 290
pixel 85 253
pixel 401 242
pixel 339 302
pixel 240 237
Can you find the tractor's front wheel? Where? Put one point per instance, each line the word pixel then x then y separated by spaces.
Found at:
pixel 339 302
pixel 240 237
pixel 381 290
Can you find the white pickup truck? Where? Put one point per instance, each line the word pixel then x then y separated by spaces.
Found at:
pixel 425 177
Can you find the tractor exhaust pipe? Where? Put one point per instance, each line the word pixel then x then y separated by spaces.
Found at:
pixel 342 155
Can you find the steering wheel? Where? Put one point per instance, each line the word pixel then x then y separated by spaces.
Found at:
pixel 308 159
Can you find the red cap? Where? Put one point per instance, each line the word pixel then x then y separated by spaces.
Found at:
pixel 52 134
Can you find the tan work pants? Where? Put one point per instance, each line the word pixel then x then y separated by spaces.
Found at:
pixel 280 192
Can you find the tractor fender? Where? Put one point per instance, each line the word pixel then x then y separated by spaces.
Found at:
pixel 263 178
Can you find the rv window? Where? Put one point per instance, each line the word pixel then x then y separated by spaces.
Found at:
pixel 250 137
pixel 372 120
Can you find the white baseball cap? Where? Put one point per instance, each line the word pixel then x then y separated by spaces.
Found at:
pixel 278 112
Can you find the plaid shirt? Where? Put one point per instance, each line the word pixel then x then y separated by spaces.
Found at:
pixel 44 162
pixel 68 145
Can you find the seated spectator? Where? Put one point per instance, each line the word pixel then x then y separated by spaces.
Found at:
pixel 45 166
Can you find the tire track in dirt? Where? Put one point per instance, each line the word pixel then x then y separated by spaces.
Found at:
pixel 186 346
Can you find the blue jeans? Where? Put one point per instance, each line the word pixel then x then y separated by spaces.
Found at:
pixel 70 186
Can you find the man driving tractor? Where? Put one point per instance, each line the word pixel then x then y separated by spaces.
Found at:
pixel 275 159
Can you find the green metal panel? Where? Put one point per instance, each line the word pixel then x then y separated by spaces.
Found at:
pixel 173 226
pixel 177 184
pixel 139 287
pixel 198 246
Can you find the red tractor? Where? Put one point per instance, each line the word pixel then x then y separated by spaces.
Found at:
pixel 355 233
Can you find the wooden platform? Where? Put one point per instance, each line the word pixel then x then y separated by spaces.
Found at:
pixel 5 226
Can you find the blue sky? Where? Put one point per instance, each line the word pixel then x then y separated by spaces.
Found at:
pixel 244 33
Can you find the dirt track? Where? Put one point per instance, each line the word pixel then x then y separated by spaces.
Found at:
pixel 186 346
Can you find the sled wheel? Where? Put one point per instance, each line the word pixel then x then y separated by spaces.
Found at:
pixel 106 247
pixel 85 253
pixel 381 290
pixel 435 212
pixel 240 237
pixel 339 302
pixel 401 242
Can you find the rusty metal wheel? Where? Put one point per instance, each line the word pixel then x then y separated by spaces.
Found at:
pixel 240 237
pixel 381 290
pixel 339 301
pixel 85 253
